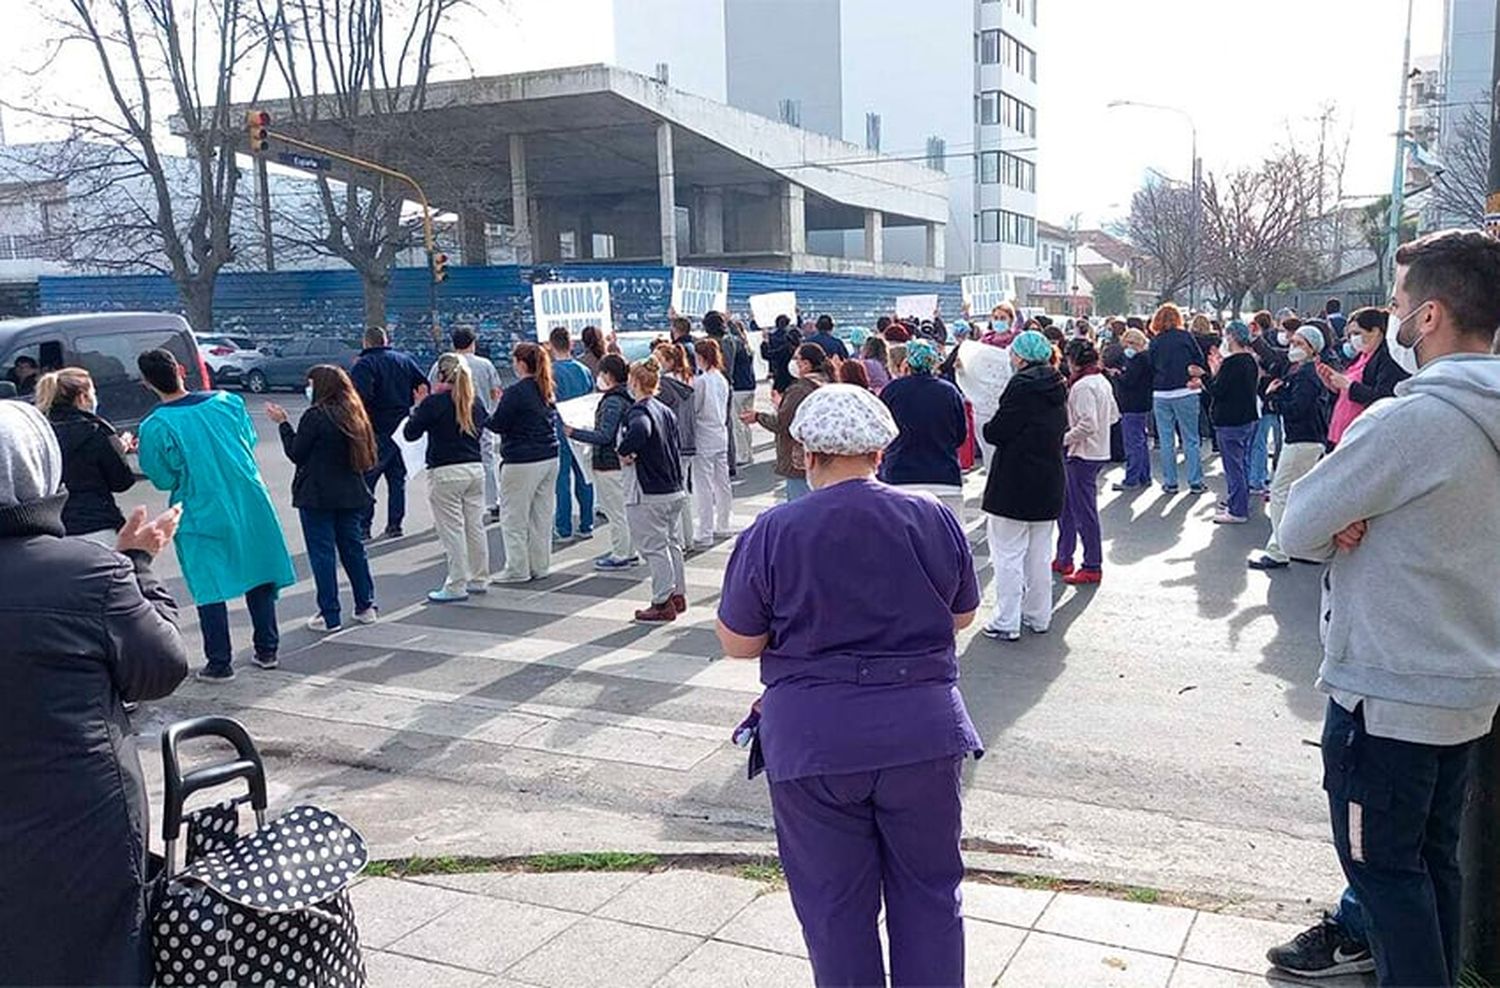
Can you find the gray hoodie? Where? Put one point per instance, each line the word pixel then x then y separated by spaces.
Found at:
pixel 1412 615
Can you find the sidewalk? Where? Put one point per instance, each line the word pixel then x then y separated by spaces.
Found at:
pixel 686 929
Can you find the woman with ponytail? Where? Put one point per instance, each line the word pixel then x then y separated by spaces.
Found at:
pixel 451 418
pixel 526 423
pixel 93 454
pixel 332 446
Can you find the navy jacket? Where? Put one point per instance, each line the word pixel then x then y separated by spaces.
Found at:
pixel 524 422
pixel 778 347
pixel 1172 353
pixel 1233 391
pixel 1299 402
pixel 385 379
pixel 447 444
pixel 651 437
pixel 607 418
pixel 741 362
pixel 929 413
pixel 832 345
pixel 1134 391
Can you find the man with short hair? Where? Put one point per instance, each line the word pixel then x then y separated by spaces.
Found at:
pixel 682 334
pixel 1333 312
pixel 390 383
pixel 487 390
pixel 832 345
pixel 570 379
pixel 200 447
pixel 1407 508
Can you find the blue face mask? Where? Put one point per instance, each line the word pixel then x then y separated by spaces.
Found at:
pixel 1350 350
pixel 1131 351
pixel 1000 325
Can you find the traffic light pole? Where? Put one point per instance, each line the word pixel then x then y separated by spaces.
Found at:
pixel 428 240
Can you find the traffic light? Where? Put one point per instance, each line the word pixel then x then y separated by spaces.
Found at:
pixel 439 267
pixel 257 128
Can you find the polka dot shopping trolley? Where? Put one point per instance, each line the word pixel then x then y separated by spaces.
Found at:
pixel 265 909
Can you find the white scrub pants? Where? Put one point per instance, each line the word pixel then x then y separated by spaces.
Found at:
pixel 712 498
pixel 1021 555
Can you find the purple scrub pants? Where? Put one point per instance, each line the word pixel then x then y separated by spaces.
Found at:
pixel 1080 513
pixel 845 839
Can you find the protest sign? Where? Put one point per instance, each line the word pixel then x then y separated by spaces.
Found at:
pixel 765 308
pixel 982 292
pixel 574 304
pixel 578 413
pixel 699 290
pixel 916 307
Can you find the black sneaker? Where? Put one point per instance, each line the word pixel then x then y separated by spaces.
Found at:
pixel 1198 488
pixel 1322 951
pixel 214 674
pixel 393 533
pixel 1267 563
pixel 268 661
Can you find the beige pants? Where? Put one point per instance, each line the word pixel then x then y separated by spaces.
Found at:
pixel 528 500
pixel 1021 555
pixel 456 494
pixel 1295 460
pixel 744 443
pixel 609 497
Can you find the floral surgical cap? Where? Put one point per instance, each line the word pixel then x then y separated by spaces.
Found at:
pixel 843 420
pixel 922 356
pixel 1032 347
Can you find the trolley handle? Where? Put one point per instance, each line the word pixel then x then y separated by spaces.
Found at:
pixel 246 765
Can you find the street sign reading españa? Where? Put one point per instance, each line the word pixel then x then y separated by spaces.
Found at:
pixel 307 162
pixel 574 304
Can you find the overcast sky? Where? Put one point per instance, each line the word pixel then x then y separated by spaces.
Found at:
pixel 1245 72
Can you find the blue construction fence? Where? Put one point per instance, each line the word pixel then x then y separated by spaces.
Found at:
pixel 496 301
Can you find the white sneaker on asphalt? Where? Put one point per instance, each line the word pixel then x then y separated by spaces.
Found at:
pixel 1225 518
pixel 478 586
pixel 1000 634
pixel 319 624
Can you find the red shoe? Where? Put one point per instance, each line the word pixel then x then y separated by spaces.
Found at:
pixel 657 613
pixel 1058 566
pixel 1084 576
pixel 679 602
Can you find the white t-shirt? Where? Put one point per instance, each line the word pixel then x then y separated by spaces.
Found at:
pixel 711 413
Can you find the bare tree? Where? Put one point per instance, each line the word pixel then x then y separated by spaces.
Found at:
pixel 358 69
pixel 1459 190
pixel 1161 225
pixel 133 203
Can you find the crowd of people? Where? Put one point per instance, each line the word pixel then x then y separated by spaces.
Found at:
pixel 1372 439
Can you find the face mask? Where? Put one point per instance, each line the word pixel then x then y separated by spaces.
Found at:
pixel 1405 356
pixel 1131 351
pixel 1298 354
pixel 308 391
pixel 601 384
pixel 1283 337
pixel 93 405
pixel 1224 350
pixel 1001 325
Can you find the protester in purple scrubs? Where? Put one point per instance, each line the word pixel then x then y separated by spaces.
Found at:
pixel 862 729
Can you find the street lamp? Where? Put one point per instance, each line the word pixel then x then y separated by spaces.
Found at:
pixel 1197 174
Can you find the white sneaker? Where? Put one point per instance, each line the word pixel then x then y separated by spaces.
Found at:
pixel 367 616
pixel 318 624
pixel 1225 518
pixel 1000 634
pixel 478 586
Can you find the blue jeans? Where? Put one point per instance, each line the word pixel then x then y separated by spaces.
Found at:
pixel 570 480
pixel 1181 413
pixel 1260 471
pixel 796 487
pixel 1396 807
pixel 213 621
pixel 1350 917
pixel 332 537
pixel 390 465
pixel 1234 447
pixel 1137 448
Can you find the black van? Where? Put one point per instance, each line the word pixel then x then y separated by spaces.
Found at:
pixel 106 344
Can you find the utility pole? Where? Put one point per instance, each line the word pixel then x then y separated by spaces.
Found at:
pixel 1193 237
pixel 263 191
pixel 1398 178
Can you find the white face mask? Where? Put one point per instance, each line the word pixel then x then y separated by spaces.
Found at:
pixel 92 405
pixel 1283 337
pixel 601 384
pixel 1405 356
pixel 1131 351
pixel 308 391
pixel 1224 350
pixel 1298 354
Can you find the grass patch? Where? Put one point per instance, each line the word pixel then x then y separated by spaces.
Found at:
pixel 767 872
pixel 1148 896
pixel 594 861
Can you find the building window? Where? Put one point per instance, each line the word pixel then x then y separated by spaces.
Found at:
pixel 1026 8
pixel 872 131
pixel 937 154
pixel 1018 116
pixel 989 226
pixel 1004 226
pixel 1002 166
pixel 996 47
pixel 987 106
pixel 989 47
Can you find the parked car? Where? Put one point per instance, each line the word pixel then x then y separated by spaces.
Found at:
pixel 106 345
pixel 220 350
pixel 283 365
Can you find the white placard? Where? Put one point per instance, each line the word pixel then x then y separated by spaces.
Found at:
pixel 982 373
pixel 413 454
pixel 916 307
pixel 982 292
pixel 578 413
pixel 574 304
pixel 699 290
pixel 765 308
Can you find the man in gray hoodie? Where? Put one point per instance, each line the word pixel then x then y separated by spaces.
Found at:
pixel 1407 510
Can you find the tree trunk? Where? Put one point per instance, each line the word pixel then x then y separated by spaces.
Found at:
pixel 375 292
pixel 197 296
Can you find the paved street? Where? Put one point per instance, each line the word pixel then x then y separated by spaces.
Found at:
pixel 1158 736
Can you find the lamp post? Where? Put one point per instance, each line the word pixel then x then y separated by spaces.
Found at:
pixel 1197 173
pixel 1398 178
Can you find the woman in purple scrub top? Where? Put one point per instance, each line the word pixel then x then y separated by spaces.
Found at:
pixel 862 729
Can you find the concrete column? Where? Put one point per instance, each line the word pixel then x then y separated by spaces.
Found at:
pixel 473 244
pixel 708 221
pixel 937 234
pixel 793 226
pixel 520 202
pixel 874 236
pixel 666 179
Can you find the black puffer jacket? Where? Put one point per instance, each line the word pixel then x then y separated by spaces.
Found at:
pixel 94 471
pixel 85 629
pixel 1026 482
